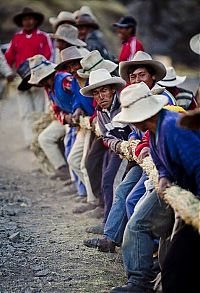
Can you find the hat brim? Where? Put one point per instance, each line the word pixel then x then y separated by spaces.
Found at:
pixel 76 42
pixel 24 85
pixel 37 15
pixel 160 70
pixel 35 80
pixel 61 65
pixel 195 44
pixel 172 83
pixel 141 110
pixel 105 64
pixel 55 22
pixel 121 25
pixel 90 24
pixel 117 82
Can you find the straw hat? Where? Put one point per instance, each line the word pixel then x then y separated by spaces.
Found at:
pixel 69 34
pixel 40 68
pixel 28 12
pixel 139 104
pixel 63 16
pixel 195 43
pixel 69 54
pixel 171 79
pixel 142 58
pixel 101 77
pixel 94 61
pixel 25 73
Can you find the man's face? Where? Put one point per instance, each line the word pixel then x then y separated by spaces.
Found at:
pixel 73 66
pixel 47 81
pixel 83 31
pixel 104 96
pixel 124 33
pixel 29 23
pixel 142 74
pixel 142 126
pixel 61 45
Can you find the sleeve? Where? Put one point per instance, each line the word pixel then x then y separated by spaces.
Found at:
pixel 139 46
pixel 187 146
pixel 58 113
pixel 144 143
pixel 4 67
pixel 162 171
pixel 108 139
pixel 47 47
pixel 10 54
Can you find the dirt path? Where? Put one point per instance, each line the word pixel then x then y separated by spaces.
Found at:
pixel 40 238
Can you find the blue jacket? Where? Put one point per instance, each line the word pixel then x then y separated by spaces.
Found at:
pixel 176 152
pixel 63 98
pixel 80 101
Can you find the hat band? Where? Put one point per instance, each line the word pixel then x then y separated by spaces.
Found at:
pixel 46 62
pixel 84 70
pixel 143 97
pixel 170 79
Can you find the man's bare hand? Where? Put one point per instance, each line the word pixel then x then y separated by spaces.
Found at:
pixel 143 154
pixel 162 185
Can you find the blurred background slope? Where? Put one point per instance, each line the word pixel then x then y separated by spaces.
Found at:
pixel 164 27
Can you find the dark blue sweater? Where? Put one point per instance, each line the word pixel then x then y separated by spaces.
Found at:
pixel 176 152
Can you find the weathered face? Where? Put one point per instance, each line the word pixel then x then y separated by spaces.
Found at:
pixel 104 96
pixel 124 33
pixel 47 81
pixel 61 45
pixel 83 31
pixel 73 67
pixel 29 23
pixel 142 74
pixel 142 126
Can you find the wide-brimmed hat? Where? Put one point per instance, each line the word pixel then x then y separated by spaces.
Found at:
pixel 28 12
pixel 171 79
pixel 94 61
pixel 69 54
pixel 86 20
pixel 69 34
pixel 195 44
pixel 139 104
pixel 126 22
pixel 25 73
pixel 63 17
pixel 40 68
pixel 142 58
pixel 101 77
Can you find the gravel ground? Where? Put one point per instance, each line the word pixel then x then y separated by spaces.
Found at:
pixel 41 240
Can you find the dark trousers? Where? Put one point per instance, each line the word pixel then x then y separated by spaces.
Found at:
pixel 111 165
pixel 94 164
pixel 180 271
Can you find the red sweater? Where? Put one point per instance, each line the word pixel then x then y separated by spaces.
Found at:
pixel 23 46
pixel 129 49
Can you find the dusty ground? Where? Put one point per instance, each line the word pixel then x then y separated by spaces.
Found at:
pixel 40 238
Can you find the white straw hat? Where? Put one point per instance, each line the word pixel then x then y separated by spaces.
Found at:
pixel 94 61
pixel 63 16
pixel 69 34
pixel 195 44
pixel 101 77
pixel 40 68
pixel 71 53
pixel 139 104
pixel 171 79
pixel 142 58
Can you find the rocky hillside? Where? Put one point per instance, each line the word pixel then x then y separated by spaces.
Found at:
pixel 106 12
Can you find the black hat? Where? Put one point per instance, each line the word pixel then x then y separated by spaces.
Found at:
pixel 25 73
pixel 28 12
pixel 86 19
pixel 125 22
